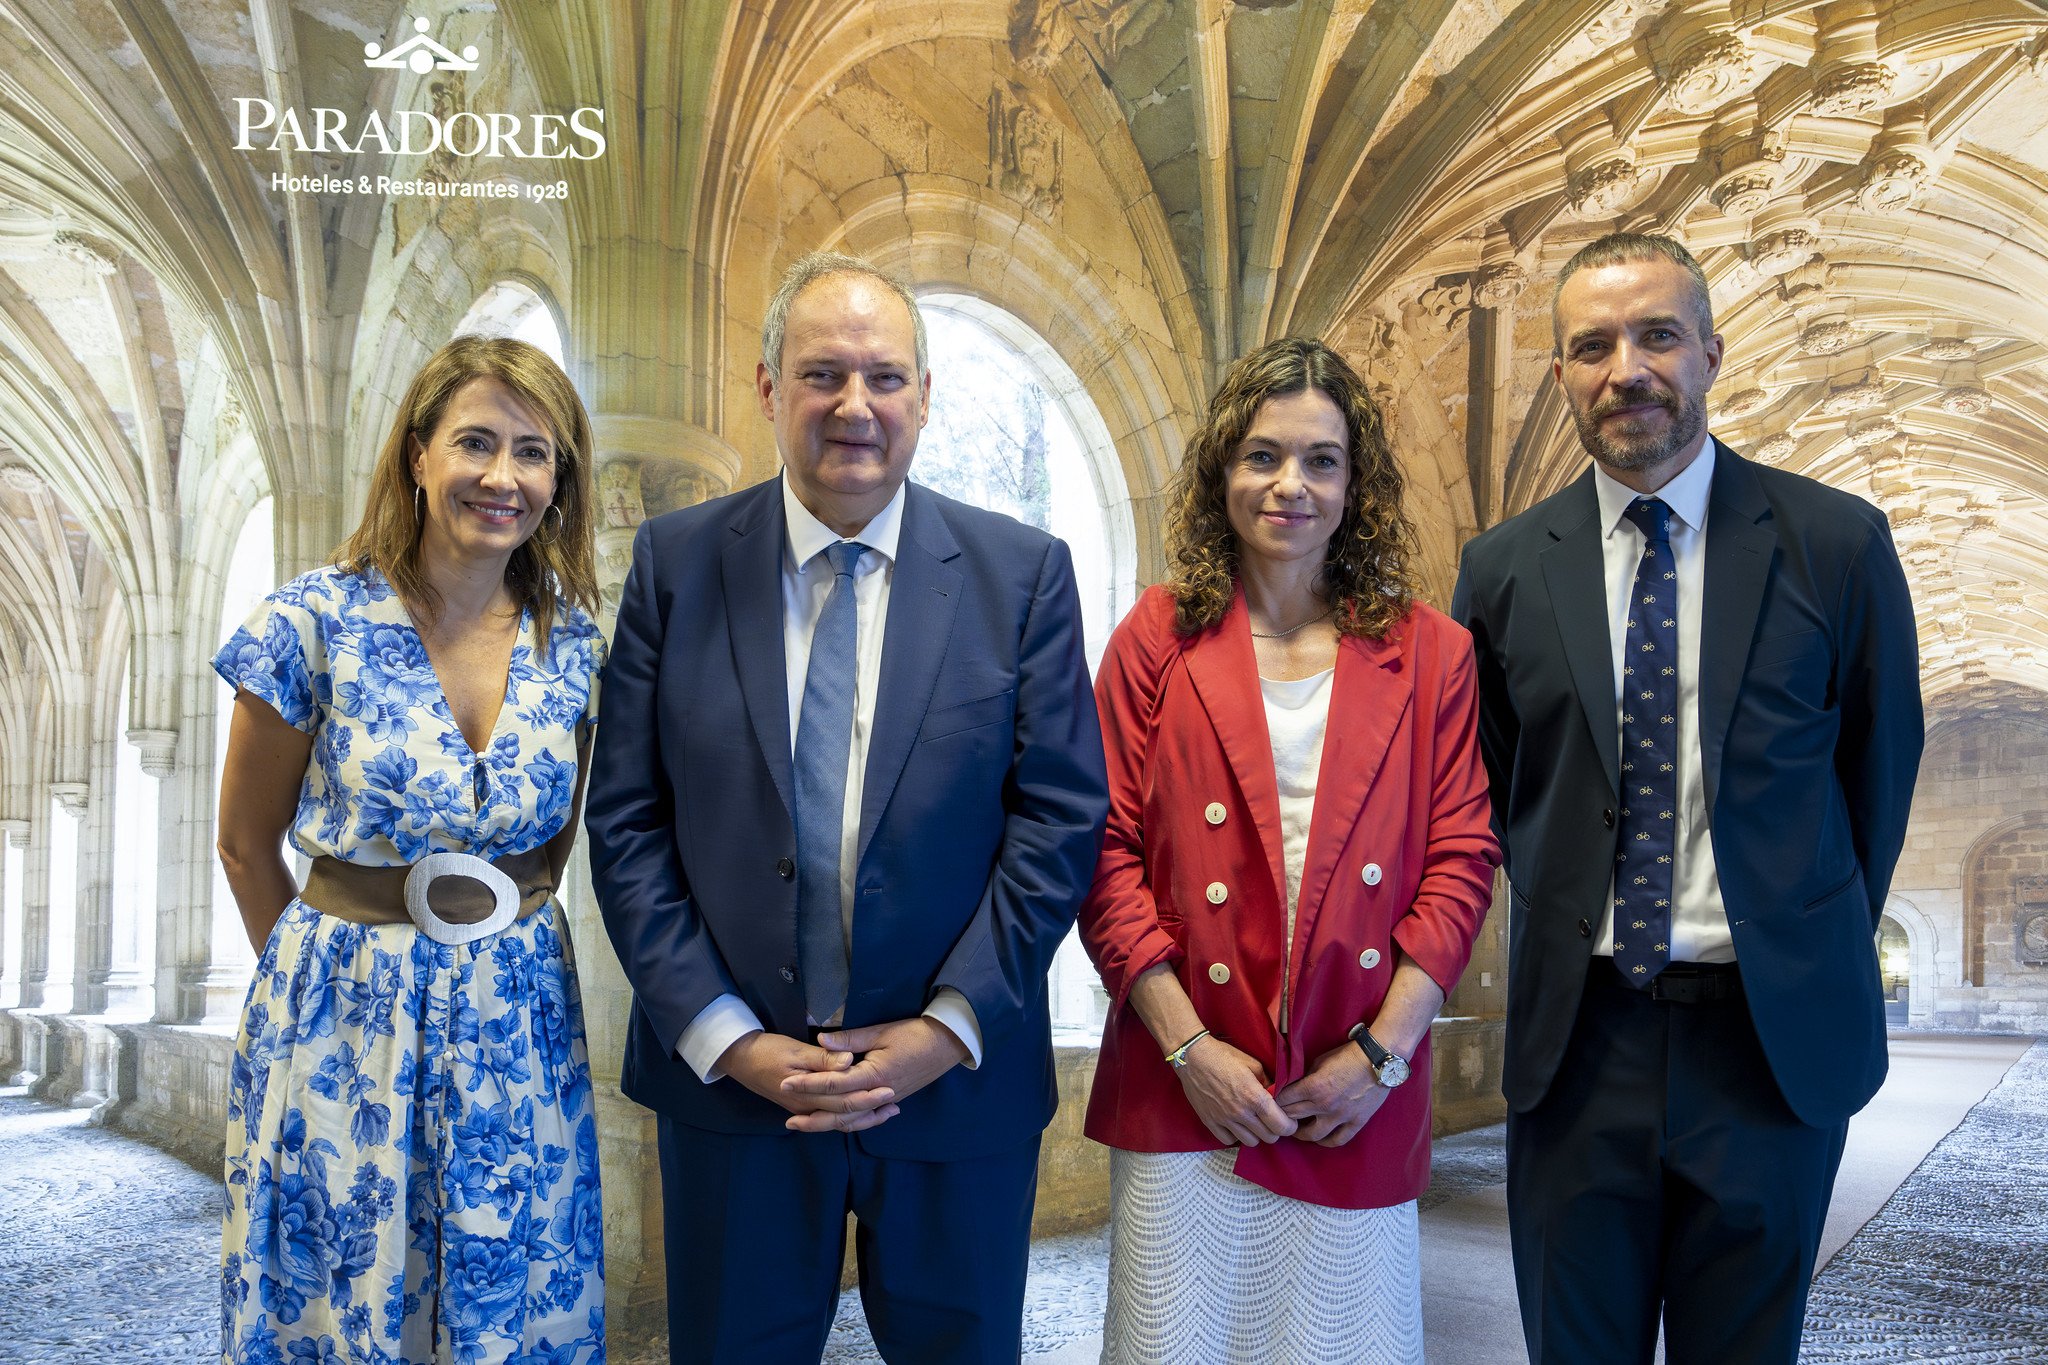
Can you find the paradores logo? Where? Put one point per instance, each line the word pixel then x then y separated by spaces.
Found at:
pixel 420 54
pixel 261 125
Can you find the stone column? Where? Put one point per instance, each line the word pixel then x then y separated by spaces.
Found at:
pixel 13 853
pixel 61 896
pixel 93 938
pixel 130 990
pixel 645 466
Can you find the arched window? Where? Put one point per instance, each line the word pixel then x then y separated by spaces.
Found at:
pixel 1013 430
pixel 252 573
pixel 511 309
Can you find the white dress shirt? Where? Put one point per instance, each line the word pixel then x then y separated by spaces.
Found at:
pixel 1699 922
pixel 806 583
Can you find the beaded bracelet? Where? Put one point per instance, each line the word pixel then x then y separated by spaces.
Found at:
pixel 1178 1058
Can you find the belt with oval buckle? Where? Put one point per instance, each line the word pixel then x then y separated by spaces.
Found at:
pixel 453 898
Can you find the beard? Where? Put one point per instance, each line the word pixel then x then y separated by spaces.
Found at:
pixel 1632 448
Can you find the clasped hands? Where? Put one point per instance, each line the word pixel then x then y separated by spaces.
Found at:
pixel 1328 1106
pixel 850 1079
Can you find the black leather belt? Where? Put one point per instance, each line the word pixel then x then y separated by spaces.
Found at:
pixel 1691 983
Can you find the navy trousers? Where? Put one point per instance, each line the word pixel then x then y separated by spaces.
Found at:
pixel 1664 1173
pixel 755 1228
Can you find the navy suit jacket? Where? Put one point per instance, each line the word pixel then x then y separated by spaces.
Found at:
pixel 981 809
pixel 1810 735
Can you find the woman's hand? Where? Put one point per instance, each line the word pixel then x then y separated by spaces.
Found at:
pixel 1226 1088
pixel 1228 1092
pixel 1336 1099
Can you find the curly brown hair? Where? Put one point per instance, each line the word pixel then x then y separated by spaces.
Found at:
pixel 1366 569
pixel 543 571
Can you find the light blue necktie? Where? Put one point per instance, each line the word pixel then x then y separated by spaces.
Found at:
pixel 824 734
pixel 1649 754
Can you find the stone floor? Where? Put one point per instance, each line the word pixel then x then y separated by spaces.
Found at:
pixel 108 1247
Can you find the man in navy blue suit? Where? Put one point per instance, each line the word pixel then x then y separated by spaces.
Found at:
pixel 846 799
pixel 1700 707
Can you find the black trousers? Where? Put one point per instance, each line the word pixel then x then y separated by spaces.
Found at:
pixel 1664 1173
pixel 755 1230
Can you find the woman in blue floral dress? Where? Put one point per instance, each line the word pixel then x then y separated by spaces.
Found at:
pixel 412 1149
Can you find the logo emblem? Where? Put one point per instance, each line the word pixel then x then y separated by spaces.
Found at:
pixel 419 54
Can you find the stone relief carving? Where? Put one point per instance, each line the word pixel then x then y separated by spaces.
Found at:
pixel 1860 392
pixel 1965 400
pixel 618 494
pixel 1605 188
pixel 1447 302
pixel 21 478
pixel 1775 253
pixel 1747 171
pixel 1829 336
pixel 1042 30
pixel 1026 151
pixel 1709 73
pixel 1894 182
pixel 1949 348
pixel 1774 450
pixel 1853 88
pixel 1876 431
pixel 1500 285
pixel 1743 403
pixel 71 796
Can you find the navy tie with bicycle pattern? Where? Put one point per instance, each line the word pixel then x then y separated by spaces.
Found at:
pixel 1649 754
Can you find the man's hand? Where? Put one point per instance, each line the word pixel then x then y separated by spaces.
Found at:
pixel 1336 1098
pixel 900 1059
pixel 765 1062
pixel 1228 1091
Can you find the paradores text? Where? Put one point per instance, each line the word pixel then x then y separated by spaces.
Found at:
pixel 578 136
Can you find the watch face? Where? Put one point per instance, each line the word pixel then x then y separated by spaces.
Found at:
pixel 1393 1071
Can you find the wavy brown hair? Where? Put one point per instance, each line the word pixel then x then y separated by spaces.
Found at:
pixel 1366 568
pixel 548 567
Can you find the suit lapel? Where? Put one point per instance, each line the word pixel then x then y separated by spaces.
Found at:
pixel 924 596
pixel 751 571
pixel 1225 671
pixel 1577 582
pixel 1368 698
pixel 1737 566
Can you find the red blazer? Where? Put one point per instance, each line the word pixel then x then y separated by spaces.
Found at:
pixel 1400 854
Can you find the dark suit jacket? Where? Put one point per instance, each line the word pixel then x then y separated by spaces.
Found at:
pixel 981 813
pixel 1810 734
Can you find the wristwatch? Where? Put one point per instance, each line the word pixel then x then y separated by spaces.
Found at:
pixel 1391 1066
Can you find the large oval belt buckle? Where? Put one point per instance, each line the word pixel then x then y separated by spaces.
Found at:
pixel 458 898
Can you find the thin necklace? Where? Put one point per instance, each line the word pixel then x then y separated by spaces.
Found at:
pixel 1283 634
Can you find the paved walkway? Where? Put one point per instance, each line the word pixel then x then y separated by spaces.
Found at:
pixel 108 1248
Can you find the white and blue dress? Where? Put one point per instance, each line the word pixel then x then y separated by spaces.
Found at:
pixel 412 1148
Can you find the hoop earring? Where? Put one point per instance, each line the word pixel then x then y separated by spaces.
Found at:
pixel 560 522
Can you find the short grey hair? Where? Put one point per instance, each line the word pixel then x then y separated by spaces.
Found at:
pixel 1624 248
pixel 806 271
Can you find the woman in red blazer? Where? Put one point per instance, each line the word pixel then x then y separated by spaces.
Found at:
pixel 1297 859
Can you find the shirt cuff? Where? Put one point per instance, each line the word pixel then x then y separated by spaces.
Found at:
pixel 717 1027
pixel 950 1008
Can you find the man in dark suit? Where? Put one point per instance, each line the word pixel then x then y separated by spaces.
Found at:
pixel 1700 709
pixel 846 798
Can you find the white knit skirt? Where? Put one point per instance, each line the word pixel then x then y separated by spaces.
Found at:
pixel 1208 1269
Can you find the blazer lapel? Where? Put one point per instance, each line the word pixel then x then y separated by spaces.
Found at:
pixel 1739 552
pixel 924 596
pixel 1225 671
pixel 751 571
pixel 1368 698
pixel 1577 581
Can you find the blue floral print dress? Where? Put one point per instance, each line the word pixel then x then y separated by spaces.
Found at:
pixel 412 1149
